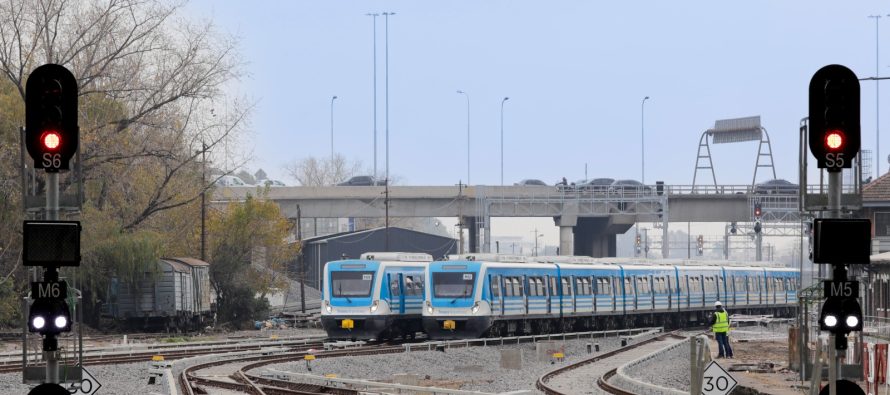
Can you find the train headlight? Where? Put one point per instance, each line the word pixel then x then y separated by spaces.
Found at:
pixel 327 306
pixel 374 305
pixel 429 307
pixel 475 308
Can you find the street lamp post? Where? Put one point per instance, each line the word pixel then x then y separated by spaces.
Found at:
pixel 877 105
pixel 642 158
pixel 502 139
pixel 386 82
pixel 468 134
pixel 537 235
pixel 643 139
pixel 332 128
pixel 374 35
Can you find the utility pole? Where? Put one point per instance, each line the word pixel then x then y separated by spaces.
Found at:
pixel 460 218
pixel 386 209
pixel 302 262
pixel 203 201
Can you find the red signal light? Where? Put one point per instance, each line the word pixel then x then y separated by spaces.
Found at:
pixel 51 140
pixel 834 140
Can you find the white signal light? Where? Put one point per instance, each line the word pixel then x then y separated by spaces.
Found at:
pixel 61 321
pixel 852 321
pixel 830 320
pixel 38 322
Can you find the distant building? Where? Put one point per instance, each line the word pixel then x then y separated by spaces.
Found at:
pixel 876 207
pixel 322 249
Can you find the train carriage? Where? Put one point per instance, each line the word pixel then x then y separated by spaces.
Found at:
pixel 379 295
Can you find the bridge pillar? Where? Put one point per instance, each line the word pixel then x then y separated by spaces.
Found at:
pixel 472 234
pixel 566 225
pixel 597 236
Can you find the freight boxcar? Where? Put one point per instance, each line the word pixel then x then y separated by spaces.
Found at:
pixel 177 298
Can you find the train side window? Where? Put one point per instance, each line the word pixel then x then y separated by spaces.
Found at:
pixel 409 286
pixel 542 288
pixel 588 286
pixel 532 287
pixel 495 286
pixel 628 286
pixel 566 286
pixel 553 286
pixel 520 287
pixel 394 286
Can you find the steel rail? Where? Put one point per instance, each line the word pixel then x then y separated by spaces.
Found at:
pixel 542 381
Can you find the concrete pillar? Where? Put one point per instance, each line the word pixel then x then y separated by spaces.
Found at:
pixel 566 240
pixel 472 234
pixel 596 236
pixel 566 225
pixel 486 233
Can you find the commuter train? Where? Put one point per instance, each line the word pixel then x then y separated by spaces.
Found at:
pixel 481 295
pixel 378 296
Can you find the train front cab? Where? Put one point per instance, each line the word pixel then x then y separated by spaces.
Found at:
pixel 347 290
pixel 453 309
pixel 374 299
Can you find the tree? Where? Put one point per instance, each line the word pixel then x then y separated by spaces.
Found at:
pixel 246 177
pixel 248 257
pixel 316 172
pixel 152 104
pixel 260 175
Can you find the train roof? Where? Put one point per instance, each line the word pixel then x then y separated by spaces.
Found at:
pixel 396 257
pixel 489 257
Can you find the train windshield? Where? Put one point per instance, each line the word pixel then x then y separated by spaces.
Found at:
pixel 453 284
pixel 346 284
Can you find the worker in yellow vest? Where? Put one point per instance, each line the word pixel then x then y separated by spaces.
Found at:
pixel 720 326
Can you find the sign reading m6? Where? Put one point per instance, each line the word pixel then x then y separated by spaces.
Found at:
pixel 51 131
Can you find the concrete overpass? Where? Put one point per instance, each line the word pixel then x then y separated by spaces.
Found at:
pixel 589 220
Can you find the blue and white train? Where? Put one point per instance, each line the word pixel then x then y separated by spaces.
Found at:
pixel 377 296
pixel 496 295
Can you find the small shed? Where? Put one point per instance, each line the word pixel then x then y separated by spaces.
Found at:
pixel 322 249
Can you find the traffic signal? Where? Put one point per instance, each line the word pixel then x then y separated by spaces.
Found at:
pixel 51 131
pixel 758 212
pixel 49 315
pixel 834 129
pixel 701 245
pixel 841 316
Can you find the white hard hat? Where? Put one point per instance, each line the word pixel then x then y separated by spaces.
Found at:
pixel 718 304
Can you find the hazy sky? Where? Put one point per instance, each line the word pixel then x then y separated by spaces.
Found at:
pixel 575 71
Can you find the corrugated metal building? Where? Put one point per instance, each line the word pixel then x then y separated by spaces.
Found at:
pixel 319 250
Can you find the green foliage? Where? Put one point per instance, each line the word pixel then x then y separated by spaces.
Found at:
pixel 248 257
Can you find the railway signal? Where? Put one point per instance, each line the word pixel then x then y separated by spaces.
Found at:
pixel 834 127
pixel 701 245
pixel 758 211
pixel 51 131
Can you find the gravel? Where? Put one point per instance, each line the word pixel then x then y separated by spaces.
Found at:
pixel 669 369
pixel 472 369
pixel 129 378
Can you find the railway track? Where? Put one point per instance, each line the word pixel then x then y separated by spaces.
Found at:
pixel 545 385
pixel 242 381
pixel 143 356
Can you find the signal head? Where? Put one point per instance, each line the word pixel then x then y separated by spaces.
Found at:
pixel 51 131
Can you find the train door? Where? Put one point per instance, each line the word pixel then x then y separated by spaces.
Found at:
pixel 527 288
pixel 547 290
pixel 652 290
pixel 574 291
pixel 497 300
pixel 396 297
pixel 615 288
pixel 720 291
pixel 595 290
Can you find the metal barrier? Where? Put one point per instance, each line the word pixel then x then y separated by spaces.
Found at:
pixel 431 346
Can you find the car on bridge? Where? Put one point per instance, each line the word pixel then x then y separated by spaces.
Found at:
pixel 629 187
pixel 531 182
pixel 776 187
pixel 362 181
